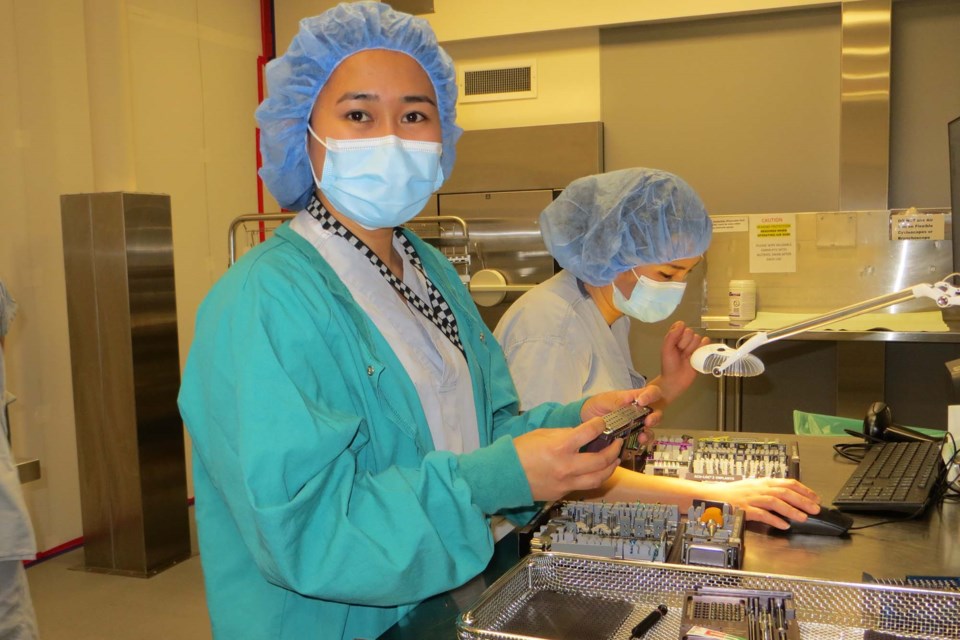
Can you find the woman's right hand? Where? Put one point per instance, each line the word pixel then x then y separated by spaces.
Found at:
pixel 553 463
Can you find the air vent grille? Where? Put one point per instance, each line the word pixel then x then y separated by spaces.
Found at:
pixel 497 81
pixel 506 81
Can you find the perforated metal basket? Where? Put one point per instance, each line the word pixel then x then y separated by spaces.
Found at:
pixel 558 595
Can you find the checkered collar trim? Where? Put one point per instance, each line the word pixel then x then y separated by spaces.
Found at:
pixel 436 309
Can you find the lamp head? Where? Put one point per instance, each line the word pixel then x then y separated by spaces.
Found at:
pixel 721 360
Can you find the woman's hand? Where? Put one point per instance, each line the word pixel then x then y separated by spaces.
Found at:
pixel 554 466
pixel 769 500
pixel 676 373
pixel 603 403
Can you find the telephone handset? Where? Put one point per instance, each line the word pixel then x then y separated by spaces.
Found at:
pixel 878 426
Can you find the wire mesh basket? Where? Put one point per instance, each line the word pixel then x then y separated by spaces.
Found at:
pixel 558 596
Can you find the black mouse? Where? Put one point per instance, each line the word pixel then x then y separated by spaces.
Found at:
pixel 829 522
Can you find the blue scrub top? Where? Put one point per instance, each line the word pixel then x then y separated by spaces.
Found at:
pixel 560 348
pixel 16 532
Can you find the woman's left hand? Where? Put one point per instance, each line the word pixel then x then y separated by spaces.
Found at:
pixel 603 403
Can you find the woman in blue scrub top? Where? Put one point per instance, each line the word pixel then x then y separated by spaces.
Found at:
pixel 17 618
pixel 626 241
pixel 354 424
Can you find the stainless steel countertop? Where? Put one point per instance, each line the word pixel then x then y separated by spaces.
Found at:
pixel 926 546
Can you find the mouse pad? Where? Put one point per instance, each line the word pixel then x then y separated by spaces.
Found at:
pixel 564 616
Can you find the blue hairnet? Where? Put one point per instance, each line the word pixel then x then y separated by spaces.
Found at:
pixel 603 225
pixel 294 80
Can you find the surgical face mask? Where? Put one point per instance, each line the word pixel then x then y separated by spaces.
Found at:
pixel 379 182
pixel 651 301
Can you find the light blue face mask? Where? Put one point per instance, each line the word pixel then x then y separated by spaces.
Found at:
pixel 651 301
pixel 379 182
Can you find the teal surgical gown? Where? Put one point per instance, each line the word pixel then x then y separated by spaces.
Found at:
pixel 322 507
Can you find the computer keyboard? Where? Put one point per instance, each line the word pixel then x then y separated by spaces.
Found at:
pixel 893 476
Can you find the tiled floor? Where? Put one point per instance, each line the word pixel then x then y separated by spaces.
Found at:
pixel 79 605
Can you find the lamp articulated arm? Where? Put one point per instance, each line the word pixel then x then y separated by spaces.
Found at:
pixel 720 359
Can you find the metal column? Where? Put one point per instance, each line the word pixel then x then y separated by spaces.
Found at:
pixel 121 303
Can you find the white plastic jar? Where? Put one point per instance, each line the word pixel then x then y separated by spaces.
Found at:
pixel 742 298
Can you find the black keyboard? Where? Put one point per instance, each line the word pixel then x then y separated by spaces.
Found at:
pixel 893 476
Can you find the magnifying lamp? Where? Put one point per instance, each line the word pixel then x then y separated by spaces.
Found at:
pixel 722 360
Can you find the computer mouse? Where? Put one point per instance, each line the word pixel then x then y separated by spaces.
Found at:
pixel 829 522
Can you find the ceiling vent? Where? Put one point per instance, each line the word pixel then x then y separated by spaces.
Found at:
pixel 512 80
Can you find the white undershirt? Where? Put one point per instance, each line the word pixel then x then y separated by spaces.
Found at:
pixel 437 368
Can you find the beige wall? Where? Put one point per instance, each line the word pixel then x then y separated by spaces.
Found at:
pixel 568 79
pixel 455 20
pixel 45 128
pixel 747 109
pixel 149 95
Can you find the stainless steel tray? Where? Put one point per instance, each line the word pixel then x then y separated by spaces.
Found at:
pixel 565 596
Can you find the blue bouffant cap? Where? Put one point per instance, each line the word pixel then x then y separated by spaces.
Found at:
pixel 605 224
pixel 294 80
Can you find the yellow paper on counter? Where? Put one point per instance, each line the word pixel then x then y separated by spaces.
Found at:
pixel 900 322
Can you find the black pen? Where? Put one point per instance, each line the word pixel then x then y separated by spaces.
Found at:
pixel 647 623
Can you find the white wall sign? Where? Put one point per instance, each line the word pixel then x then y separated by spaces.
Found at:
pixel 773 243
pixel 913 225
pixel 729 224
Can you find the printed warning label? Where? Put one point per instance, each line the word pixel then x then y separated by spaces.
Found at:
pixel 773 243
pixel 729 224
pixel 913 225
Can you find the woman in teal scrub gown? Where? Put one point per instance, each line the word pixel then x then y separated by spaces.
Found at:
pixel 354 424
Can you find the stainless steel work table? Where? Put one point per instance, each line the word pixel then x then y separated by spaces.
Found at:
pixel 926 546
